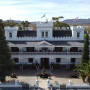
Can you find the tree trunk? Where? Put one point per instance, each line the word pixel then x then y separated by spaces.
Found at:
pixel 87 80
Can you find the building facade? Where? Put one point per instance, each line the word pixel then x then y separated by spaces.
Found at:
pixel 61 46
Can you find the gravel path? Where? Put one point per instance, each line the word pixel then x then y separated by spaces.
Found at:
pixel 60 76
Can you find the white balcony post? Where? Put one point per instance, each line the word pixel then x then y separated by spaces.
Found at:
pixel 16 82
pixel 70 82
pixel 68 53
pixel 37 82
pixel 48 82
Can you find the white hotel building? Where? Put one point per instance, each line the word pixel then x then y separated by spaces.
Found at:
pixel 45 45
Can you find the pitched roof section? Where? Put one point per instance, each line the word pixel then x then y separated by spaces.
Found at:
pixel 55 43
pixel 27 33
pixel 67 43
pixel 62 33
pixel 44 43
pixel 56 33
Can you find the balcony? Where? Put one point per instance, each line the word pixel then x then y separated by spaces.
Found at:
pixel 46 53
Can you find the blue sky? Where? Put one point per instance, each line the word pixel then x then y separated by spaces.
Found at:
pixel 33 10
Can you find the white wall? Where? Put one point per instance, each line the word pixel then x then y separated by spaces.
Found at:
pixel 65 59
pixel 42 26
pixel 75 30
pixel 12 30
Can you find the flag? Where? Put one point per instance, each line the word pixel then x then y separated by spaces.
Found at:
pixel 75 19
pixel 43 16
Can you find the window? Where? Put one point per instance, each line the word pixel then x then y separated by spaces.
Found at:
pixel 42 34
pixel 14 49
pixel 30 60
pixel 10 35
pixel 58 60
pixel 16 60
pixel 73 60
pixel 46 34
pixel 58 49
pixel 30 49
pixel 74 49
pixel 78 34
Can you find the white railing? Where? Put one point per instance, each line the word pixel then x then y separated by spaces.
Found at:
pixel 46 53
pixel 75 53
pixel 10 84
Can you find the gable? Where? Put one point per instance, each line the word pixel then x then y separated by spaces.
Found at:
pixel 44 43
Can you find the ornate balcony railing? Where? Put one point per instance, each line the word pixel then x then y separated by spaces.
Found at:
pixel 46 53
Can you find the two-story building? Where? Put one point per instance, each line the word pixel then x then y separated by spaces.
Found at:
pixel 45 45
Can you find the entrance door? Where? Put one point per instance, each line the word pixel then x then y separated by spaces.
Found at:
pixel 45 62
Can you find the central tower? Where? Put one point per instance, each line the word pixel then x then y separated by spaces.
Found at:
pixel 44 30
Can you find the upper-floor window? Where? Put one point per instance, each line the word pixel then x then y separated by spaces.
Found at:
pixel 74 49
pixel 14 49
pixel 10 35
pixel 78 34
pixel 46 34
pixel 58 49
pixel 30 49
pixel 42 34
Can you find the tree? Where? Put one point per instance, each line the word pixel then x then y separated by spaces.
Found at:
pixel 25 24
pixel 10 23
pixel 84 71
pixel 84 67
pixel 57 18
pixel 85 53
pixel 20 27
pixel 6 64
pixel 1 24
pixel 81 70
pixel 60 24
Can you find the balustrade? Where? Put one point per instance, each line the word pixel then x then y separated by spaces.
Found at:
pixel 46 53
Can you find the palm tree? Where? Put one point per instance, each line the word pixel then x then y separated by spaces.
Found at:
pixel 87 71
pixel 27 24
pixel 84 71
pixel 80 69
pixel 23 25
pixel 57 18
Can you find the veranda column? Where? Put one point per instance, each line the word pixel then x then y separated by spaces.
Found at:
pixel 37 60
pixel 21 57
pixel 68 55
pixel 51 59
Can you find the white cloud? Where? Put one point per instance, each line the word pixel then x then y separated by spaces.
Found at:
pixel 32 10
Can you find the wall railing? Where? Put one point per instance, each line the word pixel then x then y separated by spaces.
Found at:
pixel 46 53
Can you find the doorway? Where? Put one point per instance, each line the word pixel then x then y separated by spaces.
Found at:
pixel 45 63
